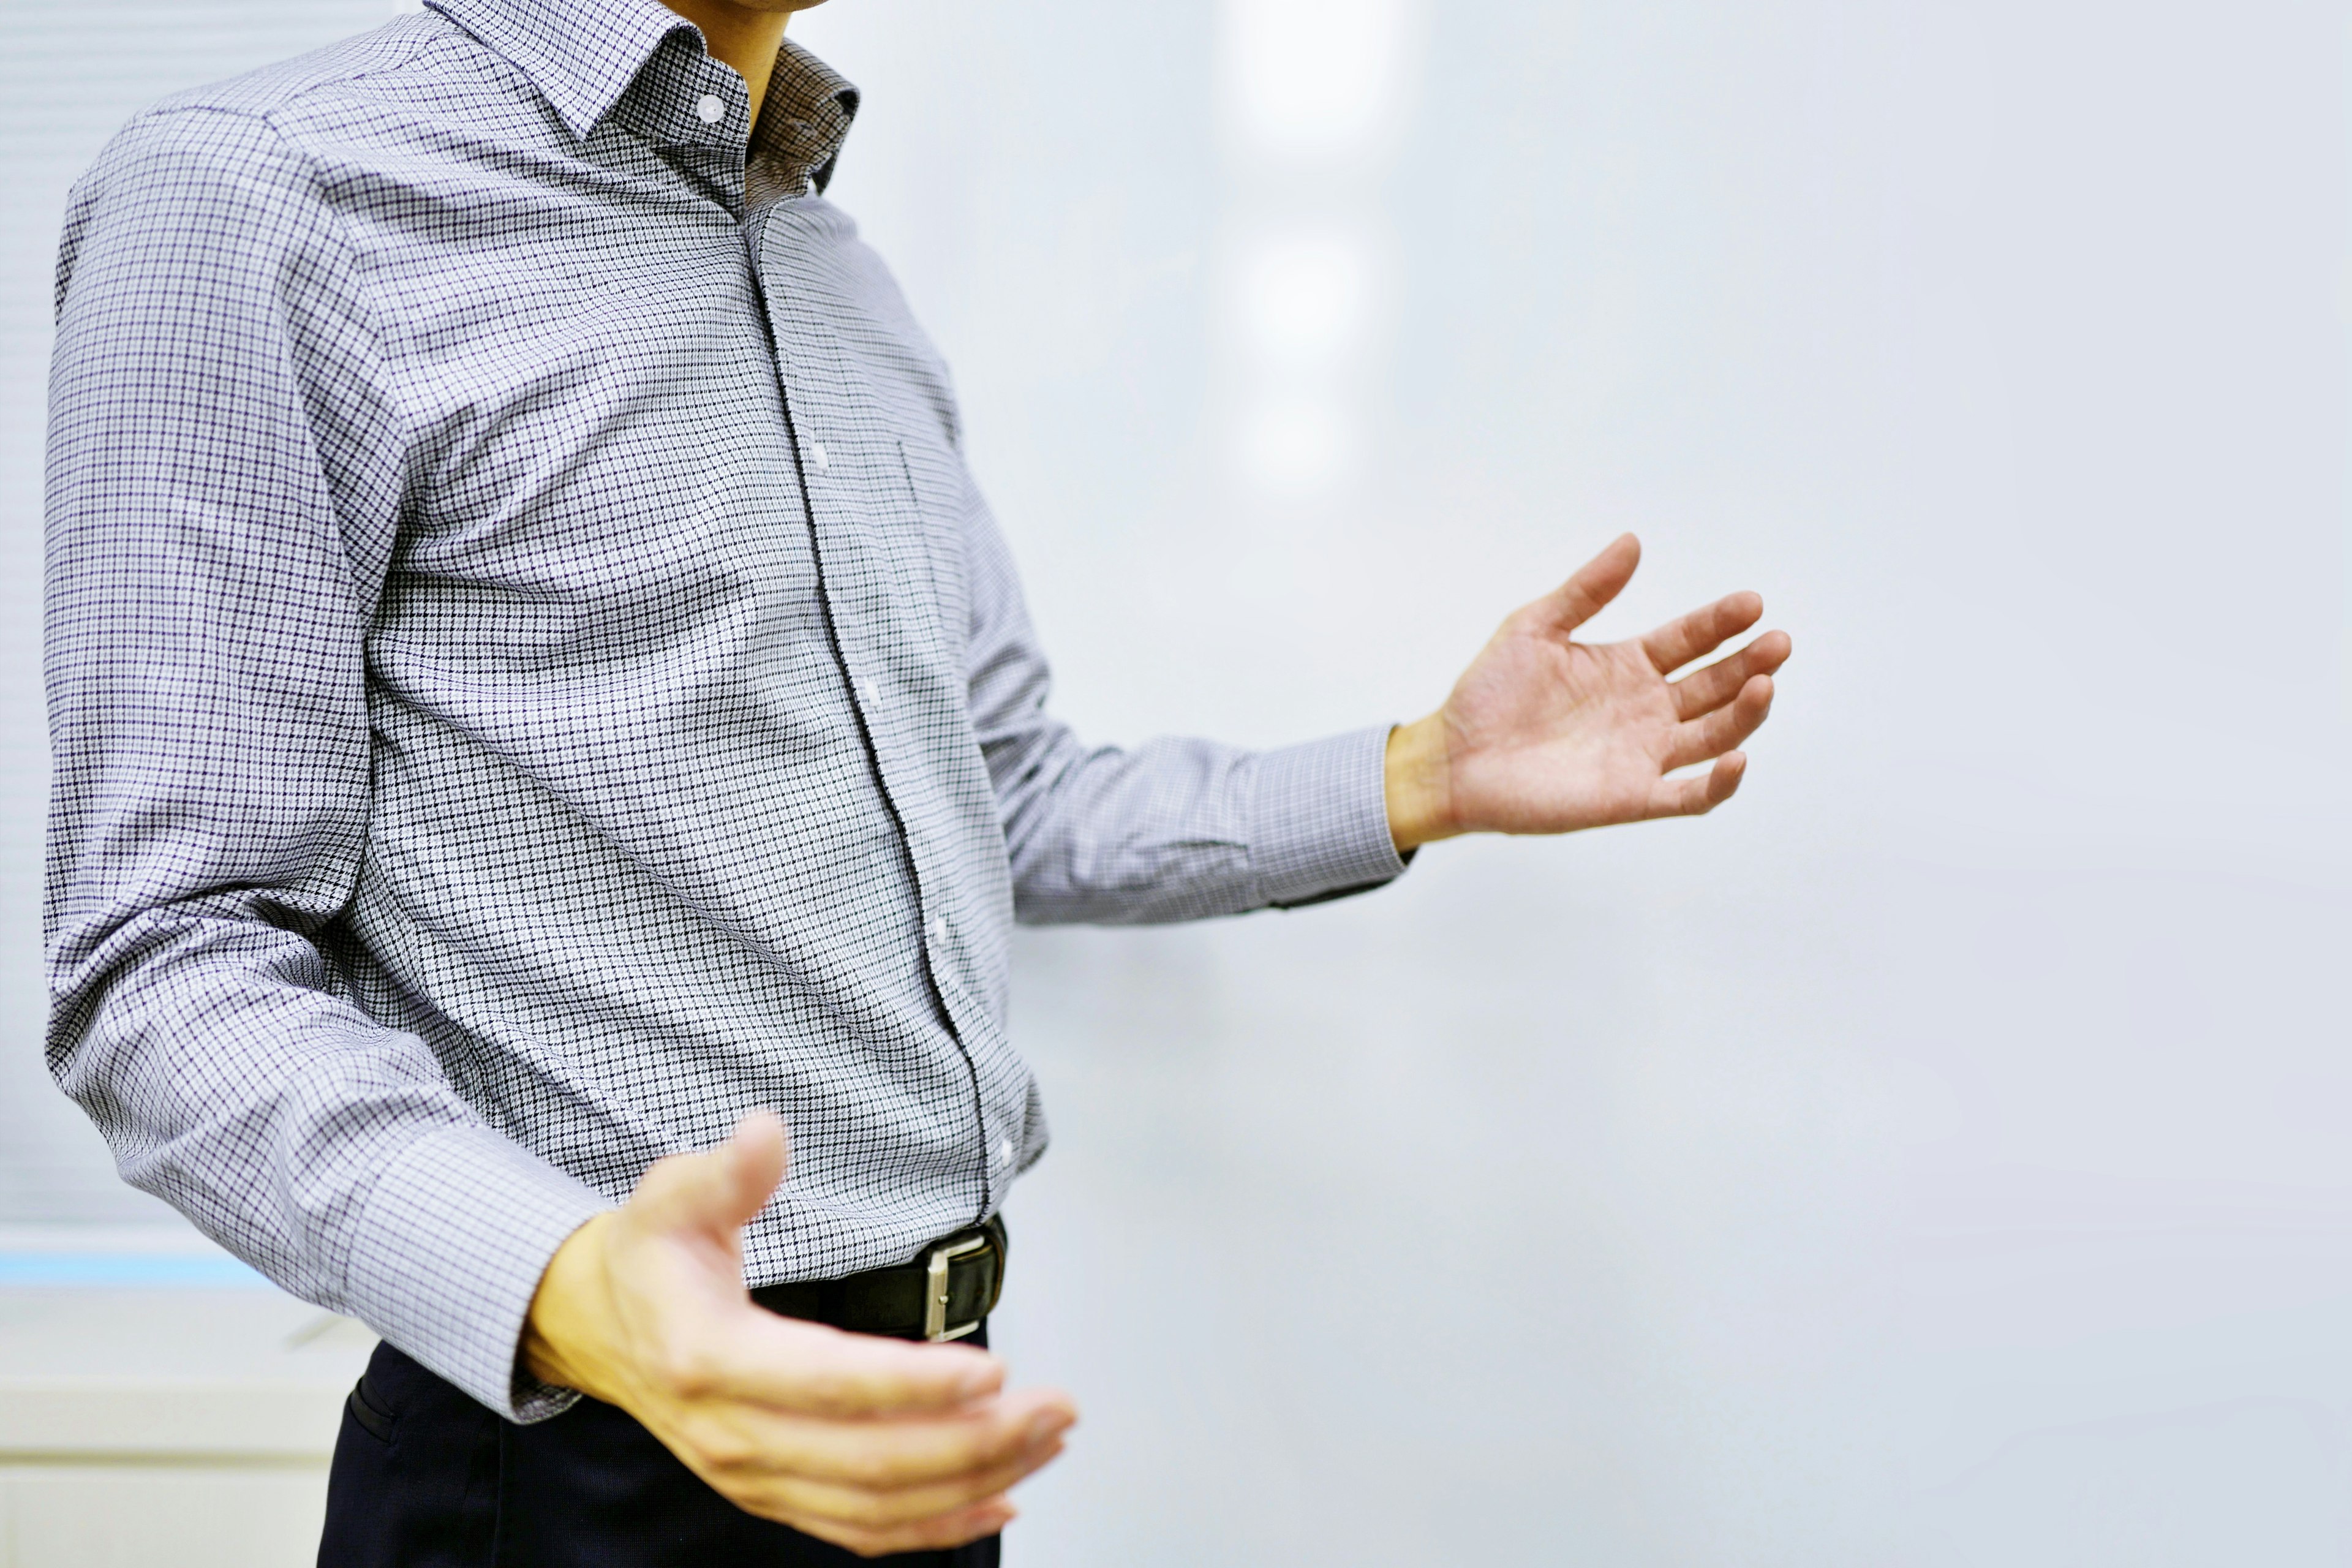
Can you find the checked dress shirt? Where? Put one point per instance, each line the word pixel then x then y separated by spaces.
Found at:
pixel 531 678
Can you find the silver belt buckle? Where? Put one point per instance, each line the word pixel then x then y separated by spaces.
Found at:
pixel 935 1289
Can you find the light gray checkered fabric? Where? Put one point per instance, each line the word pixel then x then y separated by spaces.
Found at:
pixel 531 678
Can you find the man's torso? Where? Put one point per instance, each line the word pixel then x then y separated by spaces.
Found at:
pixel 677 809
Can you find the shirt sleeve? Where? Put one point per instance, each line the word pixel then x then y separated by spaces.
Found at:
pixel 225 479
pixel 1175 829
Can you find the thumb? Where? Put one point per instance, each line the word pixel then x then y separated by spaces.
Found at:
pixel 719 1190
pixel 1597 581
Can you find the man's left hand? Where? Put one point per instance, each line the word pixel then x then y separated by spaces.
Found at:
pixel 1547 734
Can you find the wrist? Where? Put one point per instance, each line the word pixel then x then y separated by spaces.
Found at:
pixel 561 1330
pixel 1418 779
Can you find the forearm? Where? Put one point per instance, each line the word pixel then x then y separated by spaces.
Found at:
pixel 326 1150
pixel 1172 830
pixel 1189 829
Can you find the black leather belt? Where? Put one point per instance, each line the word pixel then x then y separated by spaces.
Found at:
pixel 944 1294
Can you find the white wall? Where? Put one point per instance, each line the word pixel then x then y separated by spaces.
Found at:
pixel 1936 1158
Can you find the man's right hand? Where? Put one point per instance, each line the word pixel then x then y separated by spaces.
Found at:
pixel 876 1445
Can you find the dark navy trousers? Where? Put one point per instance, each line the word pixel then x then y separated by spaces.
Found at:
pixel 425 1478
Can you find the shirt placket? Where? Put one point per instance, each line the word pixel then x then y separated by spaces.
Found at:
pixel 862 520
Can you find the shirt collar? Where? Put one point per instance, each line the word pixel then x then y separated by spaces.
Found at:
pixel 584 56
pixel 806 117
pixel 581 54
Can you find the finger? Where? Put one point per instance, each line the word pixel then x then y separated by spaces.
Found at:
pixel 1697 796
pixel 944 1533
pixel 1720 730
pixel 1705 691
pixel 1700 633
pixel 719 1190
pixel 867 1509
pixel 881 1455
pixel 1597 582
pixel 814 1370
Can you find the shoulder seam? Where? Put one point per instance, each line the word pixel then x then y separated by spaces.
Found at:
pixel 412 51
pixel 332 219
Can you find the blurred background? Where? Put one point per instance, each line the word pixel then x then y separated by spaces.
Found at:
pixel 1939 1156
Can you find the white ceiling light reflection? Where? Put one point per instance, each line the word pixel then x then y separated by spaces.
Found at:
pixel 1297 446
pixel 1313 79
pixel 1306 300
pixel 1315 98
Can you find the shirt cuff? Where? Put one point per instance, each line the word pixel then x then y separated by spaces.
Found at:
pixel 1320 819
pixel 448 1254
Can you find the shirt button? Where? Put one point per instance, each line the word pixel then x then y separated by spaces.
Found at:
pixel 817 455
pixel 869 691
pixel 711 108
pixel 938 931
pixel 1004 1151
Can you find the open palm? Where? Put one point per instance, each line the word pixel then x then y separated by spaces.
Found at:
pixel 1547 734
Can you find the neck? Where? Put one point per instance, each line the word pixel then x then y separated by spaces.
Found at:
pixel 744 37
